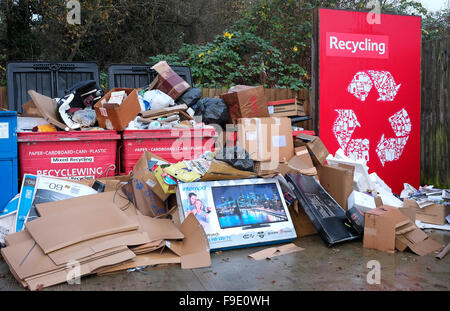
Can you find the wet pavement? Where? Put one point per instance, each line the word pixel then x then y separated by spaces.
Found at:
pixel 343 267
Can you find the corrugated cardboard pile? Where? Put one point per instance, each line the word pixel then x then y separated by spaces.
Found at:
pixel 100 233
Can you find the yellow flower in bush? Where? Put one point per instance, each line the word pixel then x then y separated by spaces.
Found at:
pixel 201 55
pixel 295 49
pixel 228 35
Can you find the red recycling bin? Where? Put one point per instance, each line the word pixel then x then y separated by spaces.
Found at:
pixel 173 145
pixel 72 155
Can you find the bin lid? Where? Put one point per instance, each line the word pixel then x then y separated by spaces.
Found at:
pixel 169 133
pixel 140 75
pixel 68 136
pixel 51 79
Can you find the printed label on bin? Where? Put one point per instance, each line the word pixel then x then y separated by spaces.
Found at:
pixel 73 160
pixel 67 152
pixel 69 172
pixel 81 177
pixel 279 141
pixel 4 130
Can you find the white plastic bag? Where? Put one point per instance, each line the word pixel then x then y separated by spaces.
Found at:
pixel 155 99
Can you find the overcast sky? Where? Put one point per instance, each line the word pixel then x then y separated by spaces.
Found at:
pixel 435 5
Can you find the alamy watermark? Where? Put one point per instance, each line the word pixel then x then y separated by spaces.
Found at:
pixel 374 16
pixel 74 272
pixel 374 275
pixel 73 16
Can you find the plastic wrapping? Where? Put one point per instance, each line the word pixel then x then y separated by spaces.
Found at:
pixel 155 99
pixel 86 117
pixel 238 157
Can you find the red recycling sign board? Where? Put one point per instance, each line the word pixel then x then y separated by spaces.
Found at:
pixel 369 91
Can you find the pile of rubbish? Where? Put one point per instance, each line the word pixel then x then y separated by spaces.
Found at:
pixel 168 102
pixel 271 183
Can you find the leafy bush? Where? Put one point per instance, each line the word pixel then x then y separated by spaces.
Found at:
pixel 238 58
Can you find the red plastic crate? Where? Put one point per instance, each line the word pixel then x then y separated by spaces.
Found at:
pixel 70 155
pixel 172 145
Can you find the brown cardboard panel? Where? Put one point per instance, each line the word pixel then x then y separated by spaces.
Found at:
pixel 338 182
pixel 28 259
pixel 73 225
pixel 150 259
pixel 158 228
pixel 85 269
pixel 194 248
pixel 30 110
pixel 302 162
pixel 84 249
pixel 415 236
pixel 401 243
pixel 425 247
pixel 409 212
pixel 433 214
pixel 276 251
pixel 302 224
pixel 47 108
pixel 85 203
pixel 17 237
pixel 418 242
pixel 158 112
pixel 316 147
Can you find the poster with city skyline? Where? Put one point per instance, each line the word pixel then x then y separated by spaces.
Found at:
pixel 248 206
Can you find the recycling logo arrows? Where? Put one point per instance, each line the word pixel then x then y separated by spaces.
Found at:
pixel 383 81
pixel 388 149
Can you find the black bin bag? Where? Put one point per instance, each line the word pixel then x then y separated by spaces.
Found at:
pixel 212 111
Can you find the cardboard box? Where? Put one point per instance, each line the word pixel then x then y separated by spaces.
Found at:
pixel 143 175
pixel 315 146
pixel 116 117
pixel 246 102
pixel 286 108
pixel 338 182
pixel 168 81
pixel 266 138
pixel 303 226
pixel 433 214
pixel 302 162
pixel 380 227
